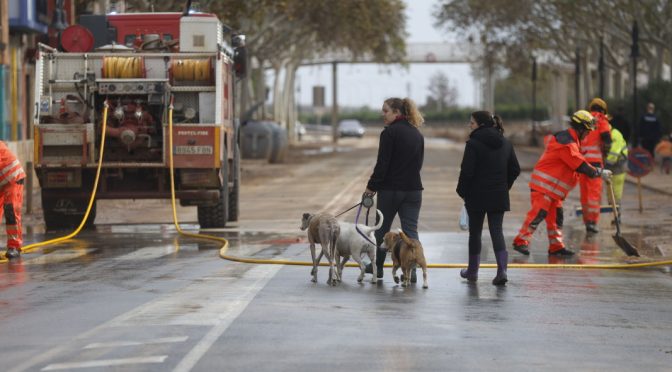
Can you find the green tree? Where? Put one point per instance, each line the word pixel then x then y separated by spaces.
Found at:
pixel 555 29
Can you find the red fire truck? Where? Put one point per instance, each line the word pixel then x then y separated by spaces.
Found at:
pixel 139 64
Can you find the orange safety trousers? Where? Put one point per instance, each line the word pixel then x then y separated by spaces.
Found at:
pixel 11 199
pixel 543 208
pixel 591 197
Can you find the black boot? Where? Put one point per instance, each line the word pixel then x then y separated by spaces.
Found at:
pixel 380 261
pixel 471 272
pixel 591 227
pixel 502 258
pixel 12 253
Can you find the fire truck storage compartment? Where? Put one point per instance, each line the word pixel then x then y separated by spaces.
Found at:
pixel 66 143
pixel 200 33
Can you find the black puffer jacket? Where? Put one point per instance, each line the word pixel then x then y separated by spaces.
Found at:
pixel 401 152
pixel 489 168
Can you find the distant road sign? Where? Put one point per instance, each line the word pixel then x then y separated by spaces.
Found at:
pixel 640 162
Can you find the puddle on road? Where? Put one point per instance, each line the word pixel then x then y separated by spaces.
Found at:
pixel 326 150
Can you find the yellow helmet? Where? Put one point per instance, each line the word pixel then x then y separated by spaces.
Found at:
pixel 582 119
pixel 599 102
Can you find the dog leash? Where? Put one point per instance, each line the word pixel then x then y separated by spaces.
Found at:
pixel 367 201
pixel 349 209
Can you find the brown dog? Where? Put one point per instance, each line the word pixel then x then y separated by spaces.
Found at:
pixel 407 253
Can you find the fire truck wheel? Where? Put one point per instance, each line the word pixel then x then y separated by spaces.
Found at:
pixel 234 193
pixel 62 211
pixel 216 215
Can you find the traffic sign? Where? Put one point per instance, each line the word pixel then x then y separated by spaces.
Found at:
pixel 640 162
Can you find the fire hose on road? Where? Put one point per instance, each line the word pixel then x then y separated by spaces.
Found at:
pixel 225 243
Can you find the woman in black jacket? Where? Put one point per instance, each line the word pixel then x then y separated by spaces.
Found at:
pixel 396 176
pixel 489 168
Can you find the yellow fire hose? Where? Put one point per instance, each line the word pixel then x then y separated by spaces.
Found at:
pixel 34 246
pixel 225 243
pixel 191 69
pixel 123 67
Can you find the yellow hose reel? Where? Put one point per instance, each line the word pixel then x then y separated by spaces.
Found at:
pixel 123 67
pixel 192 70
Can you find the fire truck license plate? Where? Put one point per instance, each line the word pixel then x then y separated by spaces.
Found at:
pixel 193 150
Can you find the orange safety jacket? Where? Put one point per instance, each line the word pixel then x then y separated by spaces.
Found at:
pixel 594 144
pixel 10 167
pixel 555 172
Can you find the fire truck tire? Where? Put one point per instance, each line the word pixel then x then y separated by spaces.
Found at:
pixel 65 212
pixel 234 193
pixel 216 216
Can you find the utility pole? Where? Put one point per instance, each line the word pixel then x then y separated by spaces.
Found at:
pixel 634 54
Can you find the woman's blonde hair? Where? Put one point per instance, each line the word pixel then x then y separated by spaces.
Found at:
pixel 407 108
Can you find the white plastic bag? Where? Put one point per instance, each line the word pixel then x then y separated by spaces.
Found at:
pixel 464 219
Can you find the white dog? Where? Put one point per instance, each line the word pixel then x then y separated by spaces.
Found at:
pixel 352 243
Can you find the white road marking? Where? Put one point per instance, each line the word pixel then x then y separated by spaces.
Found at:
pixel 231 296
pixel 164 340
pixel 263 274
pixel 148 253
pixel 106 363
pixel 347 190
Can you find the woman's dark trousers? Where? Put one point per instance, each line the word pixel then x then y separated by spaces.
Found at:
pixel 495 220
pixel 390 203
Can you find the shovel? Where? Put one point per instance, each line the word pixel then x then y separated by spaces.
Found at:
pixel 628 248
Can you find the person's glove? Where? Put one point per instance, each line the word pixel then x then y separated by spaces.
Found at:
pixel 606 174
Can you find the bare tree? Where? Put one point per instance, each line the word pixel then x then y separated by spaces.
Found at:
pixel 442 93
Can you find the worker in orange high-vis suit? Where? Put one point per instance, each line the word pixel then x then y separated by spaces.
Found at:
pixel 553 177
pixel 11 199
pixel 594 148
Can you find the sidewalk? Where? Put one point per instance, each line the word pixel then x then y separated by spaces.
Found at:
pixel 654 181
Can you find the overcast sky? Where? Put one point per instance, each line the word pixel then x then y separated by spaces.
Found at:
pixel 369 84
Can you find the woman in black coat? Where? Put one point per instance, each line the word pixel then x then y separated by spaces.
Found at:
pixel 396 177
pixel 489 168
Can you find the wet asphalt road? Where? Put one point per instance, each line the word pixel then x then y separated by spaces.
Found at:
pixel 134 297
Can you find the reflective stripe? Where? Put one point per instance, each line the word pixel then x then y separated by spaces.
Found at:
pixel 9 167
pixel 548 177
pixel 555 241
pixel 11 177
pixel 555 232
pixel 547 187
pixel 590 148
